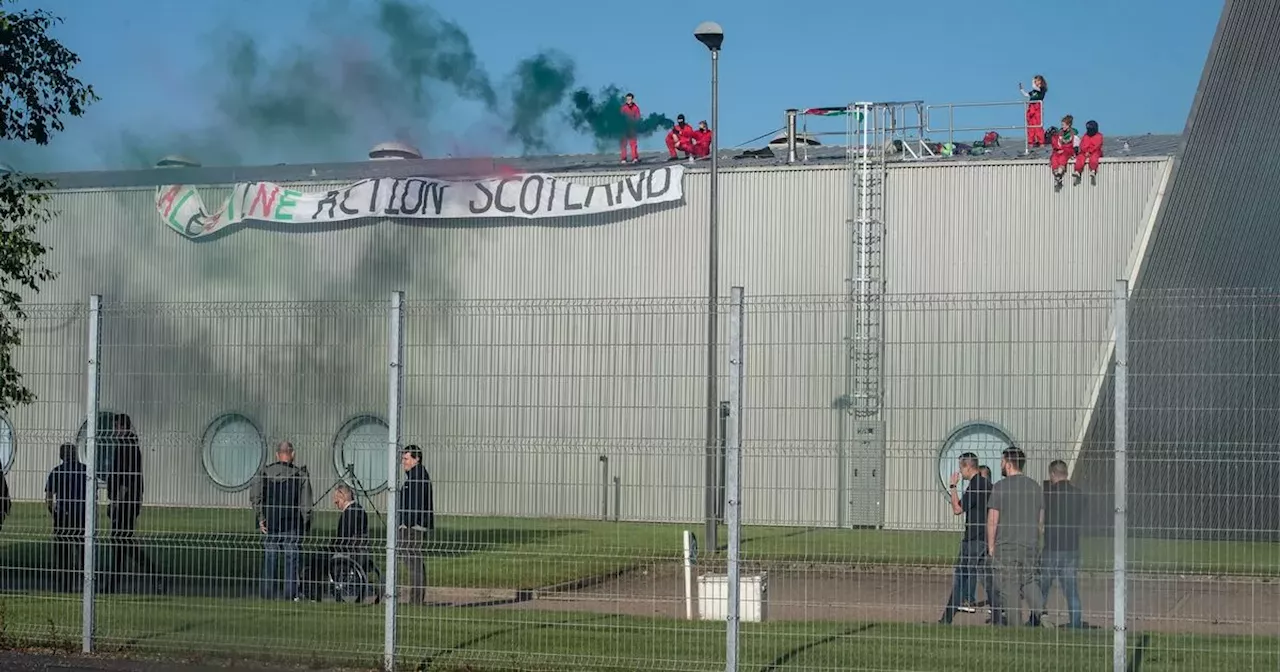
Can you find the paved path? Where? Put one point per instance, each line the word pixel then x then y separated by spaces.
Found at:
pixel 1165 604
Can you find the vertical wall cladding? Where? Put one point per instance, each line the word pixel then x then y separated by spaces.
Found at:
pixel 1027 363
pixel 532 349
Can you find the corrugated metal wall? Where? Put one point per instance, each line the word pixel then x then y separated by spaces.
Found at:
pixel 517 400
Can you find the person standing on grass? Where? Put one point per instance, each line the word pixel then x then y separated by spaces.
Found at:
pixel 1063 519
pixel 972 562
pixel 416 519
pixel 281 498
pixel 1013 540
pixel 6 503
pixel 124 488
pixel 65 496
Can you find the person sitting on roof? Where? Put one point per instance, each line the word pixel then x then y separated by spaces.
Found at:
pixel 679 139
pixel 1066 144
pixel 701 141
pixel 1090 151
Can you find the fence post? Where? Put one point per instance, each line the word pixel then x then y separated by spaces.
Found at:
pixel 395 384
pixel 91 471
pixel 1121 385
pixel 733 477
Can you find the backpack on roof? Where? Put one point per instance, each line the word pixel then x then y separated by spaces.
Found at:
pixel 991 139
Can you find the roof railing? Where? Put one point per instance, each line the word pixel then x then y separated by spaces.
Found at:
pixel 906 128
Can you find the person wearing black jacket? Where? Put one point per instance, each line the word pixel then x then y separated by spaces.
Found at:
pixel 6 503
pixel 281 499
pixel 416 520
pixel 124 488
pixel 66 494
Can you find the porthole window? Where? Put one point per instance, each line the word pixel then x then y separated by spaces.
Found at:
pixel 106 422
pixel 360 453
pixel 234 450
pixel 983 439
pixel 7 444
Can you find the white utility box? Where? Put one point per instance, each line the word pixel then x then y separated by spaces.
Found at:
pixel 753 595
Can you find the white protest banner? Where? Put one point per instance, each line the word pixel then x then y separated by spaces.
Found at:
pixel 525 196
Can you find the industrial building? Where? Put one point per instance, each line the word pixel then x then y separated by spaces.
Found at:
pixel 902 307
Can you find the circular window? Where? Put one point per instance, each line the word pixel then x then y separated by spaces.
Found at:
pixel 106 422
pixel 7 446
pixel 234 451
pixel 983 439
pixel 360 453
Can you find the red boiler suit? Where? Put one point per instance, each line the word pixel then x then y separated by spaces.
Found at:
pixel 1035 121
pixel 680 139
pixel 701 143
pixel 1090 152
pixel 632 113
pixel 1064 149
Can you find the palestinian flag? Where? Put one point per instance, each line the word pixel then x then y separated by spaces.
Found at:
pixel 830 112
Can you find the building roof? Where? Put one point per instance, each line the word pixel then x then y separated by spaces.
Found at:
pixel 1139 146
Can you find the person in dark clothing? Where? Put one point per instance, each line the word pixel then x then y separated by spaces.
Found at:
pixel 124 488
pixel 1063 518
pixel 353 524
pixel 281 498
pixel 972 562
pixel 6 503
pixel 416 520
pixel 65 497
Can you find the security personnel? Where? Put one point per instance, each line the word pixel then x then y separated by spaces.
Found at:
pixel 281 498
pixel 124 488
pixel 416 520
pixel 65 497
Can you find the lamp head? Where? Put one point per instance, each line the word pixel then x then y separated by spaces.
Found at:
pixel 710 34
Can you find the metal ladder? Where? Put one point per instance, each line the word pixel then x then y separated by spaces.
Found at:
pixel 865 336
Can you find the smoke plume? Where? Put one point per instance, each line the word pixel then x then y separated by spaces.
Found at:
pixel 400 64
pixel 601 118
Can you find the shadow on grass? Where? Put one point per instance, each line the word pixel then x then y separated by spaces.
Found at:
pixel 430 659
pixel 216 563
pixel 787 657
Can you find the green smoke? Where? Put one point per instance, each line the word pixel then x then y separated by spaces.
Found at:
pixel 541 83
pixel 600 116
pixel 319 99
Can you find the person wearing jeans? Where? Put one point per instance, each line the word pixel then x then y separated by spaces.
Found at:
pixel 972 561
pixel 281 498
pixel 1063 520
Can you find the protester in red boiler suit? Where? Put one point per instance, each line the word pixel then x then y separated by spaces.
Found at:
pixel 631 114
pixel 1066 144
pixel 679 139
pixel 702 141
pixel 1090 152
pixel 1035 109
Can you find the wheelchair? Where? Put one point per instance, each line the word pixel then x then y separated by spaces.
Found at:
pixel 347 579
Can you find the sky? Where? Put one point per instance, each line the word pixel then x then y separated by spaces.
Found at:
pixel 161 69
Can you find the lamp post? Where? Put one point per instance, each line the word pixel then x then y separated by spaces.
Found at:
pixel 711 35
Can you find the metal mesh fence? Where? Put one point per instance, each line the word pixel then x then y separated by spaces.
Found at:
pixel 566 449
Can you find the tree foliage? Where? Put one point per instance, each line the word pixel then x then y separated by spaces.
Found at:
pixel 37 92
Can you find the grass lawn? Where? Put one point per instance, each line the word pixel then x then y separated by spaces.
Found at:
pixel 531 553
pixel 476 639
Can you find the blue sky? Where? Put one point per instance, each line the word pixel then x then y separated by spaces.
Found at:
pixel 1131 64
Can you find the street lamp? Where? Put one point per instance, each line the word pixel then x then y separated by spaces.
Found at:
pixel 710 34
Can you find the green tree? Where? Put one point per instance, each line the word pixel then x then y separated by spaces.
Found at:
pixel 37 91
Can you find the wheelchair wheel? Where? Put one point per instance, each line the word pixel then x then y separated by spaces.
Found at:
pixel 351 581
